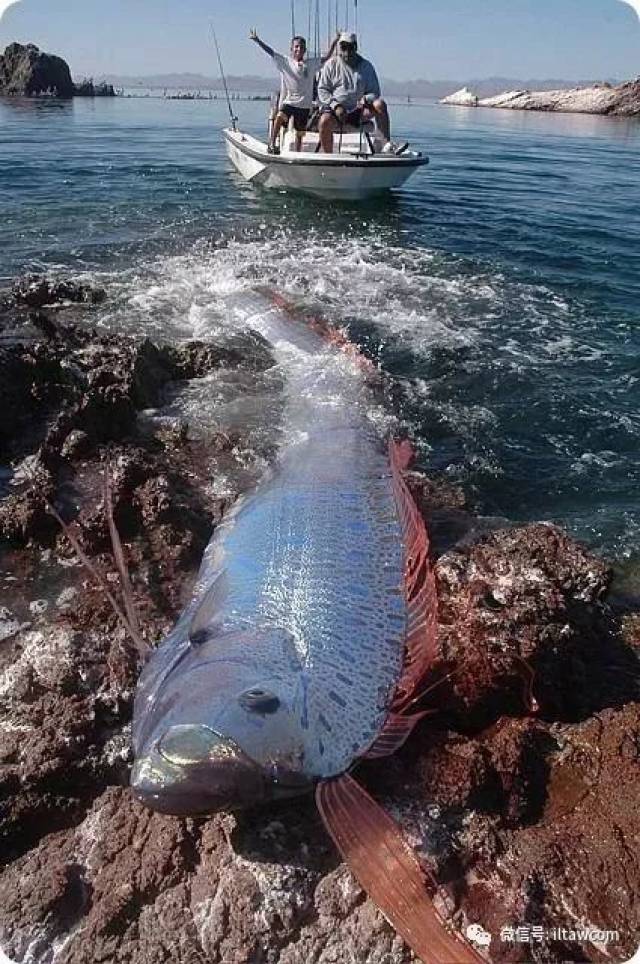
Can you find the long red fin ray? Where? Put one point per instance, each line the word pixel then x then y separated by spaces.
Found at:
pixel 387 868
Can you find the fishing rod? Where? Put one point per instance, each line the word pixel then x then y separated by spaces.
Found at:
pixel 318 31
pixel 234 119
pixel 293 18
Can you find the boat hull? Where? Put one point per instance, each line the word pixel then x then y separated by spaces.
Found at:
pixel 348 177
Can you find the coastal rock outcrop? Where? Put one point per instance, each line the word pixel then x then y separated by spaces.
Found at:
pixel 621 100
pixel 87 88
pixel 461 98
pixel 25 71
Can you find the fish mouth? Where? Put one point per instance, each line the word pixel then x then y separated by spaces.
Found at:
pixel 193 771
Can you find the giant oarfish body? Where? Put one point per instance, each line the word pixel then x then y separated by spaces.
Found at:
pixel 292 659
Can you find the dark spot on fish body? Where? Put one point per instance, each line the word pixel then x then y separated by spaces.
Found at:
pixel 325 723
pixel 337 699
pixel 304 719
pixel 344 679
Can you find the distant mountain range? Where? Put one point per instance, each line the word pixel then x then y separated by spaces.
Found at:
pixel 486 87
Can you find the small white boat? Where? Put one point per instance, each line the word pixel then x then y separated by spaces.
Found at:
pixel 356 170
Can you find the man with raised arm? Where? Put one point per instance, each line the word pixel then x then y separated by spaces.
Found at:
pixel 297 74
pixel 349 93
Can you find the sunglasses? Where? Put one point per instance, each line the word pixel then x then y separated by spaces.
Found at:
pixel 344 46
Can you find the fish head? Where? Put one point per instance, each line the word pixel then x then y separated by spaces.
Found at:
pixel 225 735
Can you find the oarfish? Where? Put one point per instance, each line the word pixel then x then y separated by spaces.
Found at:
pixel 312 625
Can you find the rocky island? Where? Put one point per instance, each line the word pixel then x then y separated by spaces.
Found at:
pixel 613 100
pixel 26 71
pixel 520 794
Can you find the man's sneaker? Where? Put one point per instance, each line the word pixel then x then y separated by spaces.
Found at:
pixel 273 149
pixel 392 148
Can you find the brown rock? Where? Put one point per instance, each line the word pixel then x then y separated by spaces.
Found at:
pixel 25 71
pixel 521 627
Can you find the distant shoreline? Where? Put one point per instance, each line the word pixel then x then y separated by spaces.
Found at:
pixel 418 88
pixel 608 100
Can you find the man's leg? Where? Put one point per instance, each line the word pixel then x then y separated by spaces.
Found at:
pixel 301 125
pixel 326 127
pixel 379 107
pixel 281 121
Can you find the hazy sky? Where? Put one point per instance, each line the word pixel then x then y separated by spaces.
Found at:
pixel 434 39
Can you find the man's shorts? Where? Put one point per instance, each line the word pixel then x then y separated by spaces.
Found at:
pixel 353 118
pixel 300 116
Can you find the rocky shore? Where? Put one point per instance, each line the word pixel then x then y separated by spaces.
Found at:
pixel 622 100
pixel 26 71
pixel 521 793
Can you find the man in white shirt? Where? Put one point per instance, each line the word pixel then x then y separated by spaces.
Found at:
pixel 297 75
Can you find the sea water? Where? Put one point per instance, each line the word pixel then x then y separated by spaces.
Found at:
pixel 499 290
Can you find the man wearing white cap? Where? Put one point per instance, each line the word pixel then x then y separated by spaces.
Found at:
pixel 349 93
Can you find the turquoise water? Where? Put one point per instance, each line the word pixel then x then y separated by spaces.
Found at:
pixel 500 288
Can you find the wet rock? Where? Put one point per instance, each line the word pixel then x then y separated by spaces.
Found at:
pixel 25 515
pixel 37 291
pixel 152 368
pixel 9 625
pixel 43 324
pixel 576 866
pixel 33 382
pixel 249 350
pixel 77 445
pixel 522 628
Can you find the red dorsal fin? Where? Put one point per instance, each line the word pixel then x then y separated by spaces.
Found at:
pixel 420 586
pixel 386 867
pixel 329 332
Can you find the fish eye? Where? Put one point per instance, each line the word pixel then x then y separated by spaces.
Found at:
pixel 258 700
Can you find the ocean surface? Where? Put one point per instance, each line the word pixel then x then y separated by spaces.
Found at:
pixel 500 290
